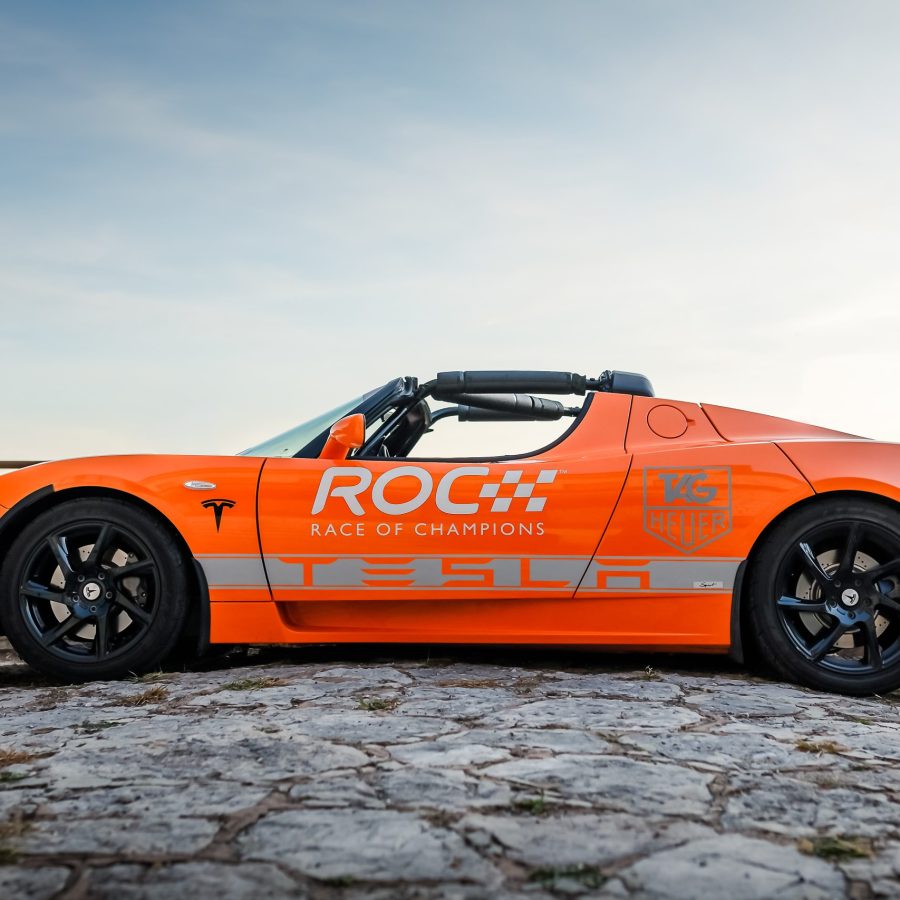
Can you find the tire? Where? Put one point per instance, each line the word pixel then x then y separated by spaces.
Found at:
pixel 825 597
pixel 94 589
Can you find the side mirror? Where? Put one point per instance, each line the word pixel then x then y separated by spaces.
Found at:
pixel 346 434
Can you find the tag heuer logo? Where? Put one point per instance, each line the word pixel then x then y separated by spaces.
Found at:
pixel 687 508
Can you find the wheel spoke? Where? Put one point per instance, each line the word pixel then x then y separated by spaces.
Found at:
pixel 37 592
pixel 851 548
pixel 101 639
pixel 873 648
pixel 824 645
pixel 800 605
pixel 59 547
pixel 61 630
pixel 136 612
pixel 100 544
pixel 813 564
pixel 888 603
pixel 888 568
pixel 135 568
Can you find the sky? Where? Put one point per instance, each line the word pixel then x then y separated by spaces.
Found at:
pixel 218 219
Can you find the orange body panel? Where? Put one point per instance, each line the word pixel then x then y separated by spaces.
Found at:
pixel 159 481
pixel 627 532
pixel 739 426
pixel 851 465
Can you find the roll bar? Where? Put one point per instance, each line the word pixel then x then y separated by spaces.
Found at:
pixel 448 386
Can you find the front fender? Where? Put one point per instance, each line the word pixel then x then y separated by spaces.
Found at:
pixel 158 482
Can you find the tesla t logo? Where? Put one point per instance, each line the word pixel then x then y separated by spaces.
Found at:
pixel 458 492
pixel 218 507
pixel 687 508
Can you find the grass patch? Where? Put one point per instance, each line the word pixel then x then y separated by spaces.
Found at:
pixel 10 757
pixel 376 704
pixel 94 727
pixel 52 698
pixel 836 849
pixel 588 876
pixel 819 747
pixel 149 677
pixel 537 806
pixel 15 828
pixel 253 684
pixel 152 695
pixel 7 777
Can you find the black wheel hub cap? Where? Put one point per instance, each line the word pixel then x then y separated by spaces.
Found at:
pixel 89 592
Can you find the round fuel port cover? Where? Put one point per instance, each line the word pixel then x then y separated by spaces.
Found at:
pixel 667 421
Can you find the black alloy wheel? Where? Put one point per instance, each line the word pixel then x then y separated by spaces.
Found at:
pixel 825 597
pixel 93 589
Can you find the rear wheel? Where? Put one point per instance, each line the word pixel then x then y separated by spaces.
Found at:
pixel 93 589
pixel 825 597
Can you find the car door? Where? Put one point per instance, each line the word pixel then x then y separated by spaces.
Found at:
pixel 407 529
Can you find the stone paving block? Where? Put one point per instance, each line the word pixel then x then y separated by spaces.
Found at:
pixel 463 704
pixel 118 835
pixel 764 702
pixel 608 685
pixel 23 883
pixel 531 741
pixel 733 866
pixel 723 751
pixel 202 880
pixel 595 714
pixel 365 845
pixel 443 753
pixel 440 789
pixel 367 727
pixel 563 840
pixel 790 806
pixel 154 801
pixel 335 790
pixel 614 781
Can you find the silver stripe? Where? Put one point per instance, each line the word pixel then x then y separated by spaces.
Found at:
pixel 424 571
pixel 234 571
pixel 608 574
pixel 463 572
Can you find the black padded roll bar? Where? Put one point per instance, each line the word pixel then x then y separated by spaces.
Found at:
pixel 451 384
pixel 474 407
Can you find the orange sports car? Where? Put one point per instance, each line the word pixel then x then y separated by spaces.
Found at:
pixel 649 524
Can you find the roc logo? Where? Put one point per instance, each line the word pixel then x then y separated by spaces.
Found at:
pixel 687 508
pixel 514 487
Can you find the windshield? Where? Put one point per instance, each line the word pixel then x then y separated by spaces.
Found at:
pixel 292 442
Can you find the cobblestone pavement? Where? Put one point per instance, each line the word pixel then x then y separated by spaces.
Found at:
pixel 333 773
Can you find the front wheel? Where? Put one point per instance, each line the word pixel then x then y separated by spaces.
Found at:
pixel 93 589
pixel 825 597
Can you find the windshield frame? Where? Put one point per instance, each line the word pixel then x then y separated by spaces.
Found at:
pixel 371 405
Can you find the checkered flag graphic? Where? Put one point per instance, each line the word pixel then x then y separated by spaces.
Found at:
pixel 521 489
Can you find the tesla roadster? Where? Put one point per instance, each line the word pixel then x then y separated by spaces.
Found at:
pixel 648 524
